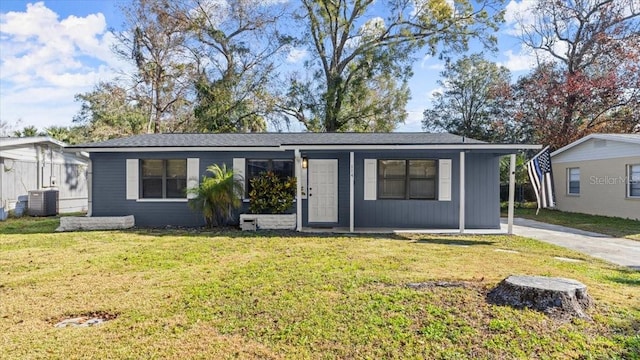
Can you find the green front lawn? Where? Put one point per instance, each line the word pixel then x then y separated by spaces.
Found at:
pixel 612 226
pixel 216 295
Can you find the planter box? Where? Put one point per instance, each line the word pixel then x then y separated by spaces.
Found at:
pixel 72 223
pixel 268 221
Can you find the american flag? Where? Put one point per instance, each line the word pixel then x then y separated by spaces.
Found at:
pixel 541 177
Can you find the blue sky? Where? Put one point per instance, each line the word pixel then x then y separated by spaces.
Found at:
pixel 53 50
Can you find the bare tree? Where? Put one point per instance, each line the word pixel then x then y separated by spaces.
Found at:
pixel 596 79
pixel 354 41
pixel 155 42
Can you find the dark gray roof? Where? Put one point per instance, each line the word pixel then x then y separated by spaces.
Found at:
pixel 278 139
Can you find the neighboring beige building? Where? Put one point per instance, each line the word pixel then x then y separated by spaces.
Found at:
pixel 600 175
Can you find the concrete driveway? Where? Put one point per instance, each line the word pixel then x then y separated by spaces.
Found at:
pixel 615 250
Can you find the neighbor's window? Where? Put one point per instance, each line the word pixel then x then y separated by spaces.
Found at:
pixel 633 176
pixel 573 181
pixel 163 179
pixel 407 179
pixel 282 167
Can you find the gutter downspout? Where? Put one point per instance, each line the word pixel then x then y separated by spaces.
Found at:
pixel 39 170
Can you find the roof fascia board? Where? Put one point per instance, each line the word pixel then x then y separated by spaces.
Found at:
pixel 475 146
pixel 171 149
pixel 609 137
pixel 13 142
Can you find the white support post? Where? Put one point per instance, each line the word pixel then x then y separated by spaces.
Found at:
pixel 351 195
pixel 512 192
pixel 462 185
pixel 90 187
pixel 298 173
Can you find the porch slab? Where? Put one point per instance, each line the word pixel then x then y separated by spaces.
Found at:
pixel 345 230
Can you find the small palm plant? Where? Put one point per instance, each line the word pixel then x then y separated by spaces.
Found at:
pixel 217 197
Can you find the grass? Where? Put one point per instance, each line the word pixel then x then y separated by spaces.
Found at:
pixel 228 294
pixel 612 226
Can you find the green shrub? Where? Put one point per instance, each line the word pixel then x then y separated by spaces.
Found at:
pixel 271 194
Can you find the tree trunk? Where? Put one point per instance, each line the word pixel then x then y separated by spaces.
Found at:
pixel 558 297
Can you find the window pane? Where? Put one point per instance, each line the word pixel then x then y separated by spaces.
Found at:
pixel 574 187
pixel 255 167
pixel 392 179
pixel 574 174
pixel 573 180
pixel 392 188
pixel 175 188
pixel 152 168
pixel 634 180
pixel 392 168
pixel 422 168
pixel 152 188
pixel 422 189
pixel 176 168
pixel 282 168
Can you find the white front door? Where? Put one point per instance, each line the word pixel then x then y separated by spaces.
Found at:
pixel 323 191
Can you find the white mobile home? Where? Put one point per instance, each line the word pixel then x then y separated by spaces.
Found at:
pixel 39 163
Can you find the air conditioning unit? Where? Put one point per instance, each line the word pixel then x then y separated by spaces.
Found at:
pixel 43 202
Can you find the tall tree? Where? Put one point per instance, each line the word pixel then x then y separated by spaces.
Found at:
pixel 155 42
pixel 27 131
pixel 108 111
pixel 472 102
pixel 590 79
pixel 238 41
pixel 69 135
pixel 355 41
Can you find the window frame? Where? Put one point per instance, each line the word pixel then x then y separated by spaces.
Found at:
pixel 631 181
pixel 248 177
pixel 163 180
pixel 569 181
pixel 407 177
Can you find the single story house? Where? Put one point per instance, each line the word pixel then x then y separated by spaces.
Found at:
pixel 599 175
pixel 39 163
pixel 346 180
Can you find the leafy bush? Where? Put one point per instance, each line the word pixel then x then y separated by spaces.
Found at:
pixel 217 197
pixel 271 194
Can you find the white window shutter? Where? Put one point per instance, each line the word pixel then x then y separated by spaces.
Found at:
pixel 370 179
pixel 133 185
pixel 444 180
pixel 238 171
pixel 193 175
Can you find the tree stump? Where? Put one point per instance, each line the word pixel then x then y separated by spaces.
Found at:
pixel 558 297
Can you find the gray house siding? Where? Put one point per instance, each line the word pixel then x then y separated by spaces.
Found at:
pixel 481 200
pixel 482 190
pixel 405 213
pixel 109 184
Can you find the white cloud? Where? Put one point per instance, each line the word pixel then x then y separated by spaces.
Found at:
pixel 518 16
pixel 522 61
pixel 412 123
pixel 45 61
pixel 296 55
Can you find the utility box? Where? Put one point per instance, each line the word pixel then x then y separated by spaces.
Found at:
pixel 43 202
pixel 248 223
